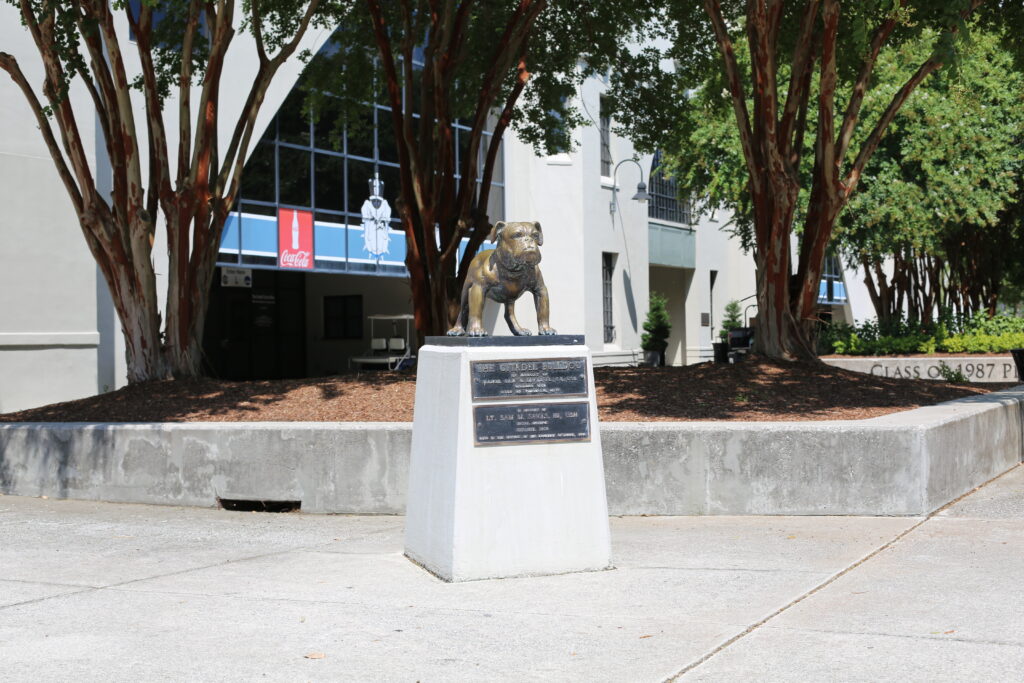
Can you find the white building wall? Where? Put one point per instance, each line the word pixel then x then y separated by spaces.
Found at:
pixel 48 334
pixel 717 251
pixel 859 307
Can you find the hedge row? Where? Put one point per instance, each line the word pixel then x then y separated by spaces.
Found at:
pixel 981 334
pixel 961 343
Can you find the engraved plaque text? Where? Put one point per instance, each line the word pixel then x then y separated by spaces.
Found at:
pixel 529 378
pixel 531 423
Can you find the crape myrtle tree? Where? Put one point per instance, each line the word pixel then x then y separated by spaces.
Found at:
pixel 809 66
pixel 186 179
pixel 488 64
pixel 935 223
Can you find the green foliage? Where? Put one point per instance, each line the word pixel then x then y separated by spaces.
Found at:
pixel 950 375
pixel 952 157
pixel 994 326
pixel 74 27
pixel 689 113
pixel 657 326
pixel 977 334
pixel 984 343
pixel 732 319
pixel 559 58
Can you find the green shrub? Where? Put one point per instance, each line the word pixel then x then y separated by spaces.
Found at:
pixel 983 343
pixel 979 334
pixel 732 319
pixel 657 326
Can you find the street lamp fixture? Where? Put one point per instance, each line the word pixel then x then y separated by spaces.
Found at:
pixel 641 188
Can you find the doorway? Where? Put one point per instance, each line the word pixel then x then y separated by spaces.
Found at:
pixel 259 331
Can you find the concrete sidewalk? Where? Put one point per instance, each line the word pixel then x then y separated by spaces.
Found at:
pixel 97 591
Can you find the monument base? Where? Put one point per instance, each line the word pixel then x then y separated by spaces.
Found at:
pixel 506 476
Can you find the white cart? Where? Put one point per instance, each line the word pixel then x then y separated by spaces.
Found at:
pixel 389 346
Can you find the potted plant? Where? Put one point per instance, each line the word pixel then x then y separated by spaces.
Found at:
pixel 732 320
pixel 656 330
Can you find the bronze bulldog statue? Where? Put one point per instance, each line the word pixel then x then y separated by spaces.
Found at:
pixel 504 274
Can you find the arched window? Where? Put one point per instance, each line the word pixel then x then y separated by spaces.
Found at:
pixel 664 203
pixel 330 170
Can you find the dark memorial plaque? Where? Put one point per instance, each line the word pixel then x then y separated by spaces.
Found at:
pixel 531 423
pixel 529 378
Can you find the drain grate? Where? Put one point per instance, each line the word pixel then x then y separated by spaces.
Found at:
pixel 239 505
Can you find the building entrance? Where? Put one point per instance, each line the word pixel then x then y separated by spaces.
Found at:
pixel 256 325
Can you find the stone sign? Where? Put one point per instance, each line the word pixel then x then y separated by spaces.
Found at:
pixel 529 378
pixel 974 369
pixel 531 423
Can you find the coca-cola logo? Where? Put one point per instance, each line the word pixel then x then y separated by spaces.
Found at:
pixel 295 239
pixel 296 259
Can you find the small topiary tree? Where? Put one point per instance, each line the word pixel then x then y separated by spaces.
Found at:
pixel 656 327
pixel 733 319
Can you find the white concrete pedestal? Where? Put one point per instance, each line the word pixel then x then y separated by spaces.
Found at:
pixel 491 511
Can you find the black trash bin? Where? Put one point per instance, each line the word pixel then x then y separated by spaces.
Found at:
pixel 721 352
pixel 1018 360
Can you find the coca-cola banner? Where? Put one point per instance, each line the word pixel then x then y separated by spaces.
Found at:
pixel 294 239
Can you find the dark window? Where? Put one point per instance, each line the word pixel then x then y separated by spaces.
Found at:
pixel 462 139
pixel 832 289
pixel 607 271
pixel 606 138
pixel 389 175
pixel 559 133
pixel 330 182
pixel 293 166
pixel 360 135
pixel 664 201
pixel 258 174
pixel 831 267
pixel 292 124
pixel 386 146
pixel 329 130
pixel 343 317
pixel 359 174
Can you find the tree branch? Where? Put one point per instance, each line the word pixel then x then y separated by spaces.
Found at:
pixel 871 143
pixel 799 80
pixel 185 92
pixel 739 102
pixel 860 87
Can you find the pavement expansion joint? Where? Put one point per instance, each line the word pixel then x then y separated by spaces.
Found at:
pixel 50 583
pixel 906 636
pixel 756 625
pixel 120 584
pixel 33 601
pixel 744 570
pixel 832 579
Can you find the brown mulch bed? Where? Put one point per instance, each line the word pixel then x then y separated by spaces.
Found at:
pixel 757 389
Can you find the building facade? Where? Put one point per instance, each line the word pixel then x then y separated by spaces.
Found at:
pixel 305 190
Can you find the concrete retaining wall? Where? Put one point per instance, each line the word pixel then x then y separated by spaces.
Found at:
pixel 976 369
pixel 907 463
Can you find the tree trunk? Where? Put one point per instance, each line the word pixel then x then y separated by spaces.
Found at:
pixel 133 292
pixel 779 333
